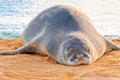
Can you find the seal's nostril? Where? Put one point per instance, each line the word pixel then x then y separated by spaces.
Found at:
pixel 79 56
pixel 71 49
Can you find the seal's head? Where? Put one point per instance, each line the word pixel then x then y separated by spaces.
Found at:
pixel 76 51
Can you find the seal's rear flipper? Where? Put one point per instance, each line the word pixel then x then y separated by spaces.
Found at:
pixel 112 45
pixel 24 49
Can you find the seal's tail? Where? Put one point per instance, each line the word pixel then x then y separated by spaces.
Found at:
pixel 24 49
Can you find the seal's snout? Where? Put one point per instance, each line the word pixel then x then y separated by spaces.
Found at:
pixel 76 57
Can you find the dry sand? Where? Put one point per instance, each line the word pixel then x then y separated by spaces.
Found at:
pixel 36 67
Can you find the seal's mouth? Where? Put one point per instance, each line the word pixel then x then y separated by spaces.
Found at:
pixel 78 58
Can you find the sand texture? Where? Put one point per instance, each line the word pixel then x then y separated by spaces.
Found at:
pixel 36 67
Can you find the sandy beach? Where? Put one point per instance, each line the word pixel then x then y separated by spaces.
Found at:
pixel 36 67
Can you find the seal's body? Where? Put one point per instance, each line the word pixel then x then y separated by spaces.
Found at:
pixel 66 34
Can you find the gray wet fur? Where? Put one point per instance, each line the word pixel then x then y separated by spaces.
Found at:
pixel 60 28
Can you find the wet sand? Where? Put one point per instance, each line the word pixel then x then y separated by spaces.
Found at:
pixel 36 67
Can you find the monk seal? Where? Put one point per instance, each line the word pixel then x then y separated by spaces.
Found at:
pixel 65 34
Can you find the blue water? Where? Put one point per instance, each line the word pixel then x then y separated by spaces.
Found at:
pixel 16 14
pixel 13 9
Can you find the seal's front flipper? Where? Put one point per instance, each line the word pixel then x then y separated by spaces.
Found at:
pixel 29 47
pixel 112 45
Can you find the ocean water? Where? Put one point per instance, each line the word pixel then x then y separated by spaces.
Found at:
pixel 16 14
